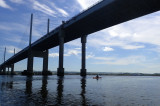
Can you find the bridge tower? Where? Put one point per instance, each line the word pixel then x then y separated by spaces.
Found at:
pixel 36 53
pixel 8 65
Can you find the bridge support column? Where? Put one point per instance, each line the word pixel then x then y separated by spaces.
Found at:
pixel 1 70
pixel 83 65
pixel 29 70
pixel 45 64
pixel 12 69
pixel 4 70
pixel 31 55
pixel 60 70
pixel 30 64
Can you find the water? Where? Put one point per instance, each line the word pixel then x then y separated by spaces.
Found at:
pixel 72 90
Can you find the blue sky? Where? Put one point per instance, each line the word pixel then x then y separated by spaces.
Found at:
pixel 133 46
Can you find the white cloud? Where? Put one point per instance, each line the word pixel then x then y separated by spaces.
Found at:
pixel 104 58
pixel 131 35
pixel 69 52
pixel 53 55
pixel 76 43
pixel 16 39
pixel 133 47
pixel 10 49
pixel 72 52
pixel 17 1
pixel 63 12
pixel 107 49
pixel 49 8
pixel 78 48
pixel 17 27
pixel 4 5
pixel 43 8
pixel 120 61
pixel 89 56
pixel 12 27
pixel 87 3
pixel 102 40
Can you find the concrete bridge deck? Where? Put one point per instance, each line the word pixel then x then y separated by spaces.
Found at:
pixel 105 14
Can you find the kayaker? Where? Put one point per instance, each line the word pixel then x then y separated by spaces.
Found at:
pixel 97 76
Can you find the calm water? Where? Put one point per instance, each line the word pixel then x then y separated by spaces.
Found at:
pixel 73 90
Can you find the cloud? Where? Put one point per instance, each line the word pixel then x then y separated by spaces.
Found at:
pixel 78 48
pixel 10 49
pixel 87 3
pixel 107 49
pixel 131 35
pixel 53 55
pixel 17 1
pixel 102 40
pixel 76 43
pixel 12 27
pixel 90 55
pixel 16 39
pixel 43 8
pixel 69 52
pixel 63 12
pixel 120 61
pixel 72 52
pixel 4 5
pixel 132 47
pixel 18 27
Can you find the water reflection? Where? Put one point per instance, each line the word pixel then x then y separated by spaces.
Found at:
pixel 60 81
pixel 7 83
pixel 83 91
pixel 29 85
pixel 73 91
pixel 44 91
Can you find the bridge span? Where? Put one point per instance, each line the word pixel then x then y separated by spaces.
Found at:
pixel 100 16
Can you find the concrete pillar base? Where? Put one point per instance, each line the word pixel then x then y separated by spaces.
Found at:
pixel 13 73
pixel 45 73
pixel 3 73
pixel 27 73
pixel 83 72
pixel 60 71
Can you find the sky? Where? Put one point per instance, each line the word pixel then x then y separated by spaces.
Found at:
pixel 133 46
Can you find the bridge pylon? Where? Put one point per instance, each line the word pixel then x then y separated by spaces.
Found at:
pixel 60 69
pixel 36 53
pixel 83 64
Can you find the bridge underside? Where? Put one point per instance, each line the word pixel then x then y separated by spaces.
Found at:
pixel 103 15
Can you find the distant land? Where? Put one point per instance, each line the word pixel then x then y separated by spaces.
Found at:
pixel 99 73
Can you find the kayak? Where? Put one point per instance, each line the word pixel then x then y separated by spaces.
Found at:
pixel 97 77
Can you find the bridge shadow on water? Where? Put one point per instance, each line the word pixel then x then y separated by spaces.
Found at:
pixel 30 95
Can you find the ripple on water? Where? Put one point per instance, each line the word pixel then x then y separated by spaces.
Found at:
pixel 74 90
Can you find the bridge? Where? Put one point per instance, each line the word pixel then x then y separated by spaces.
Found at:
pixel 100 16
